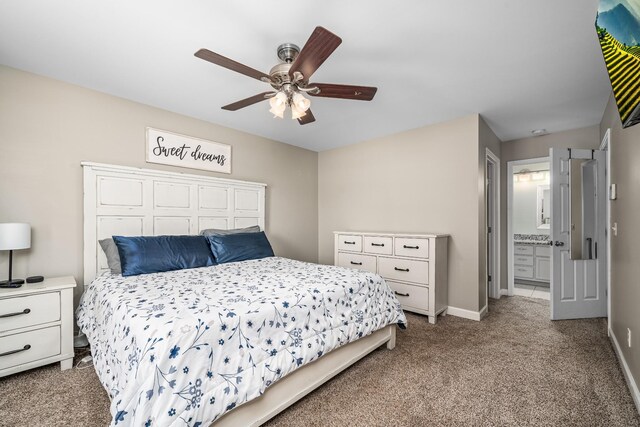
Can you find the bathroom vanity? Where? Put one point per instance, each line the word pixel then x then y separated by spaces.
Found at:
pixel 532 258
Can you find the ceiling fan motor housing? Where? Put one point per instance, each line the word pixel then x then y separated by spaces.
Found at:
pixel 287 52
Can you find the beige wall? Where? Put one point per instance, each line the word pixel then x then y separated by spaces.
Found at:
pixel 487 140
pixel 530 148
pixel 421 180
pixel 625 247
pixel 48 127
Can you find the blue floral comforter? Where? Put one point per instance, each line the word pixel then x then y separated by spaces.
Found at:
pixel 181 348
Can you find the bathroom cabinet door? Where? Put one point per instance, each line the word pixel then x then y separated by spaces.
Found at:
pixel 543 268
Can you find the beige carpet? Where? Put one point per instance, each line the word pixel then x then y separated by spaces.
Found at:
pixel 514 368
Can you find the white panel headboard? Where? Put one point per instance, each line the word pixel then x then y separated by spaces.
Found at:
pixel 127 201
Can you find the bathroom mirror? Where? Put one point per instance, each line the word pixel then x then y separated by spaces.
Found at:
pixel 582 208
pixel 543 211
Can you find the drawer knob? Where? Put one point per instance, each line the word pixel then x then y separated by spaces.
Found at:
pixel 356 263
pixel 17 313
pixel 25 348
pixel 377 244
pixel 406 270
pixel 349 243
pixel 400 294
pixel 410 247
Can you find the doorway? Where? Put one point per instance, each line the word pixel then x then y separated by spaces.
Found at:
pixel 528 228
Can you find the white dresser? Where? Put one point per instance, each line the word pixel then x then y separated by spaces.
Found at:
pixel 413 265
pixel 36 325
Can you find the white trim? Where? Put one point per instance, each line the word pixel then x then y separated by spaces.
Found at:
pixel 631 383
pixel 484 311
pixel 466 314
pixel 510 165
pixel 606 147
pixel 490 156
pixel 504 292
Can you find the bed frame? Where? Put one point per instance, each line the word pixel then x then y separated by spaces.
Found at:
pixel 129 201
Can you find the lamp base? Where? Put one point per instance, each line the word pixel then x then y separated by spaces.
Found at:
pixel 15 283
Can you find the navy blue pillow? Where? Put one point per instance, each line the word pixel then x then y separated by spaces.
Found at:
pixel 152 254
pixel 240 247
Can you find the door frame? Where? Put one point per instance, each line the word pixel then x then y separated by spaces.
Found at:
pixel 493 291
pixel 605 146
pixel 510 255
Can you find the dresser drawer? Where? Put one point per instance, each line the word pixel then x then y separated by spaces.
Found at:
pixel 411 247
pixel 350 242
pixel 359 261
pixel 543 251
pixel 32 346
pixel 408 270
pixel 523 272
pixel 523 250
pixel 29 310
pixel 411 295
pixel 378 245
pixel 523 259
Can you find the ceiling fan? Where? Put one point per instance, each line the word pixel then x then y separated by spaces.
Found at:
pixel 290 78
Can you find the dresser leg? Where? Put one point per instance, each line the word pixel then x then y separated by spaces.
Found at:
pixel 432 319
pixel 66 364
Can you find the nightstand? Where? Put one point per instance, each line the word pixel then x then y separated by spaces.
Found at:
pixel 36 325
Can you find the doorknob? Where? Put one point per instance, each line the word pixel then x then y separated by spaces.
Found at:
pixel 559 243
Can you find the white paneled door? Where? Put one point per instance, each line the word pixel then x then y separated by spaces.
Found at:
pixel 578 267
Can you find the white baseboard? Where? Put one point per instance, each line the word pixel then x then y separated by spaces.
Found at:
pixel 466 314
pixel 504 292
pixel 633 387
pixel 484 311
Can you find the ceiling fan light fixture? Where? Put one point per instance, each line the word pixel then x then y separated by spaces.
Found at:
pixel 296 112
pixel 279 100
pixel 301 102
pixel 278 110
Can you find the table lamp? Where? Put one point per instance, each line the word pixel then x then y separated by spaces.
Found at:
pixel 13 236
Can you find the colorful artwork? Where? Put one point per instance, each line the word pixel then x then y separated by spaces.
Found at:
pixel 618 27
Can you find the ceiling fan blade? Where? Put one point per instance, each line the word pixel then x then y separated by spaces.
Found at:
pixel 328 90
pixel 232 65
pixel 247 101
pixel 316 50
pixel 307 118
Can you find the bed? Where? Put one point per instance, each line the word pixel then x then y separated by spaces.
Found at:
pixel 231 344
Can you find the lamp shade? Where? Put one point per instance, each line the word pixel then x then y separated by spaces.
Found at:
pixel 15 235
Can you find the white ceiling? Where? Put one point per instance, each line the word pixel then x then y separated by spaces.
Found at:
pixel 523 65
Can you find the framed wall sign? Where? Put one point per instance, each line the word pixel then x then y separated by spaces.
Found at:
pixel 168 148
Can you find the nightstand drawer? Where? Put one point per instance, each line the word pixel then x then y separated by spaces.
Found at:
pixel 29 346
pixel 29 310
pixel 410 295
pixel 407 270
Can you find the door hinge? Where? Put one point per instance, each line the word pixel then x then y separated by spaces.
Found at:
pixel 489 277
pixel 489 228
